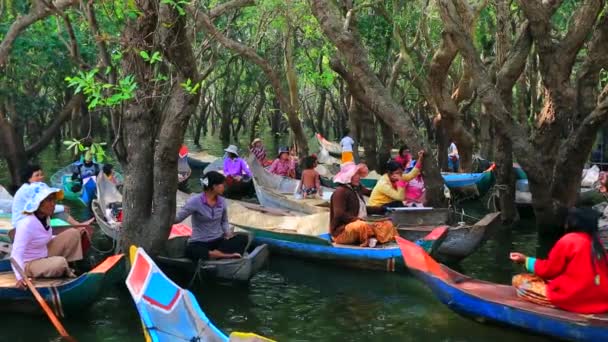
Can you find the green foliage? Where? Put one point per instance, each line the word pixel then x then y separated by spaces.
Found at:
pixel 100 94
pixel 154 58
pixel 191 88
pixel 177 5
pixel 78 146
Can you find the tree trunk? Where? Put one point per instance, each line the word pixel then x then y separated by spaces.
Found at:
pixel 368 89
pixel 387 142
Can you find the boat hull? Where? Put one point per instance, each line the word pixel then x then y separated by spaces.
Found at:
pixel 67 298
pixel 481 310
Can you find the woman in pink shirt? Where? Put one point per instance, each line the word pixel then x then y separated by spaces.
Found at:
pixel 283 165
pixel 35 249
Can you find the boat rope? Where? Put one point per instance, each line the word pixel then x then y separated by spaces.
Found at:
pixel 494 195
pixel 197 273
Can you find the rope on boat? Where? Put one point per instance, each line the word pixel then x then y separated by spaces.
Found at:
pixel 197 273
pixel 183 338
pixel 494 194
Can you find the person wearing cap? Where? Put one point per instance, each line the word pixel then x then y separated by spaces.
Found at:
pixel 348 212
pixel 257 149
pixel 35 249
pixel 32 174
pixel 235 168
pixel 390 189
pixel 284 164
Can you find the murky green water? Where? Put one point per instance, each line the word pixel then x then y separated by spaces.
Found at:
pixel 295 300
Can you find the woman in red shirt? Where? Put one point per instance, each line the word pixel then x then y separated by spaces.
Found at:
pixel 575 276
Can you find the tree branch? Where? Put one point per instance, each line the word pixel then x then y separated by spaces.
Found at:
pixel 218 11
pixel 51 131
pixel 38 12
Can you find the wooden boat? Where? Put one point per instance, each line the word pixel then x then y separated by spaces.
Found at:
pixel 107 194
pixel 168 312
pixel 485 301
pixel 64 295
pixel 275 191
pixel 200 160
pixel 306 237
pixel 183 170
pixel 419 216
pixel 62 179
pixel 460 242
pixel 242 269
pixel 333 148
pixel 469 184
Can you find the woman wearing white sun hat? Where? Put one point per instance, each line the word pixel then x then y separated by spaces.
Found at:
pixel 35 248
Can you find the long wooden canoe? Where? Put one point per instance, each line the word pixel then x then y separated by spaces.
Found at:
pixel 66 296
pixel 461 240
pixel 278 192
pixel 469 184
pixel 168 312
pixel 242 269
pixel 306 237
pixel 485 301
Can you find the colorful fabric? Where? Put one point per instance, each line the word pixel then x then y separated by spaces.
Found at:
pixel 309 191
pixel 285 168
pixel 347 157
pixel 385 192
pixel 531 288
pixel 414 190
pixel 208 222
pixel 575 281
pixel 347 144
pixel 259 153
pixel 344 208
pixel 359 232
pixel 236 167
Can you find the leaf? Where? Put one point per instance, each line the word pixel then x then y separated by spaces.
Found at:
pixel 144 55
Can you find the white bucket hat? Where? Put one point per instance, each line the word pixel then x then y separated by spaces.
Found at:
pixel 232 149
pixel 38 192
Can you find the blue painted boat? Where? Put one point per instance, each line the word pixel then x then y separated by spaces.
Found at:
pixel 168 312
pixel 499 303
pixel 386 257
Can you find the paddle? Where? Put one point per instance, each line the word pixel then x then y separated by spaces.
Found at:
pixel 45 307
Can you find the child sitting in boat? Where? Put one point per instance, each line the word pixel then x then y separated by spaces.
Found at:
pixel 405 157
pixel 310 185
pixel 283 165
pixel 390 189
pixel 575 275
pixel 211 236
pixel 414 190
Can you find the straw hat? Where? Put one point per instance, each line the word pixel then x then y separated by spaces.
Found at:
pixel 38 192
pixel 348 170
pixel 232 149
pixel 256 140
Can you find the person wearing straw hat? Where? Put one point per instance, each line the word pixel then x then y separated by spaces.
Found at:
pixel 283 165
pixel 348 211
pixel 35 249
pixel 257 149
pixel 235 168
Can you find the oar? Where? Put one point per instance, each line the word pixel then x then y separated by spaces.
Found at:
pixel 45 307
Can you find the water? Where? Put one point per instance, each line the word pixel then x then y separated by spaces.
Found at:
pixel 296 300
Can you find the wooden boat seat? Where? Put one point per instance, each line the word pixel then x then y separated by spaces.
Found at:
pixel 8 280
pixel 505 294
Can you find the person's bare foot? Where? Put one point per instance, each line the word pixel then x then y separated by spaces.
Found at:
pixel 235 256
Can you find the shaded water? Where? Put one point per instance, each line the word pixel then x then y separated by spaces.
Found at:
pixel 295 300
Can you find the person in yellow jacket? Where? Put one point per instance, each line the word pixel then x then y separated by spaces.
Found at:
pixel 390 189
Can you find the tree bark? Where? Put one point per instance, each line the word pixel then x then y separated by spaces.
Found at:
pixel 368 89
